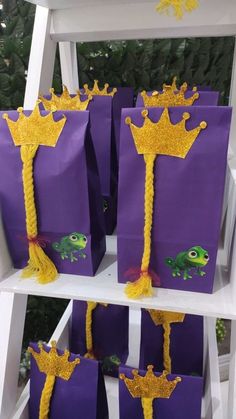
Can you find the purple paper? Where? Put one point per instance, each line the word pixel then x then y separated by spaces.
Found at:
pixel 124 98
pixel 186 345
pixel 83 394
pixel 67 196
pixel 104 126
pixel 206 98
pixel 105 117
pixel 188 198
pixel 184 403
pixel 110 331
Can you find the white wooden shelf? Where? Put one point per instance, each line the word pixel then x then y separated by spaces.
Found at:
pixel 98 20
pixel 105 288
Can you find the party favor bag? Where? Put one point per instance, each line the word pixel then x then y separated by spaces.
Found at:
pixel 100 331
pixel 64 385
pixel 105 117
pixel 171 183
pixel 53 169
pixel 149 395
pixel 171 342
pixel 172 96
pixel 105 107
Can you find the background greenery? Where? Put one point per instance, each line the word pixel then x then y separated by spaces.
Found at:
pixel 141 64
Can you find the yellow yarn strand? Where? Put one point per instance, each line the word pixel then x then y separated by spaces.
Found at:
pixel 179 7
pixel 143 286
pixel 147 405
pixel 91 305
pixel 46 397
pixel 39 263
pixel 166 347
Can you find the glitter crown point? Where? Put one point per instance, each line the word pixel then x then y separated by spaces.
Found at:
pixel 65 101
pixel 35 129
pixel 150 386
pixel 95 91
pixel 50 363
pixel 170 96
pixel 163 137
pixel 165 317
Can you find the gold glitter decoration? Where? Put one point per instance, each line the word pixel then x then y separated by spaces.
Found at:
pixel 95 91
pixel 163 137
pixel 50 363
pixel 150 386
pixel 53 365
pixel 179 7
pixel 35 129
pixel 170 96
pixel 65 102
pixel 30 132
pixel 164 319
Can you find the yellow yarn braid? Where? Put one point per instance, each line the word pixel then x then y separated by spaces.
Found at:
pixel 147 405
pixel 46 397
pixel 179 6
pixel 143 286
pixel 39 263
pixel 91 305
pixel 166 347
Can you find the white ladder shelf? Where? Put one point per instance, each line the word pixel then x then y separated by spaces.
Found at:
pixel 66 22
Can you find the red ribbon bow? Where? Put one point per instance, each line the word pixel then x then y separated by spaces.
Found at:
pixel 133 274
pixel 38 240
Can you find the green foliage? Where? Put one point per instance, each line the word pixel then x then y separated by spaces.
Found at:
pixel 42 317
pixel 220 330
pixel 142 64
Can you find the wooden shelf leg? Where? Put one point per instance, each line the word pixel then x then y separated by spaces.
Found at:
pixel 232 374
pixel 229 204
pixel 5 259
pixel 69 66
pixel 42 58
pixel 12 319
pixel 213 399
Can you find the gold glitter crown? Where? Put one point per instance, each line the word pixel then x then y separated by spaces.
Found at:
pixel 95 91
pixel 150 386
pixel 50 363
pixel 162 317
pixel 170 96
pixel 35 129
pixel 163 137
pixel 65 102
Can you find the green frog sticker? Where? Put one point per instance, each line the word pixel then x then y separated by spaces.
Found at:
pixel 110 364
pixel 193 259
pixel 69 245
pixel 105 205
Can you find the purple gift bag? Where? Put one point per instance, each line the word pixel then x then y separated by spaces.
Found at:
pixel 206 98
pixel 183 403
pixel 105 117
pixel 188 194
pixel 67 195
pixel 186 344
pixel 104 337
pixel 82 396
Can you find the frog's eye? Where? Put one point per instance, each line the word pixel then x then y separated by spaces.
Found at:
pixel 73 238
pixel 206 256
pixel 192 254
pixel 84 239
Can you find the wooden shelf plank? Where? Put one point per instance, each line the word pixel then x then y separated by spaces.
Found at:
pixel 105 288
